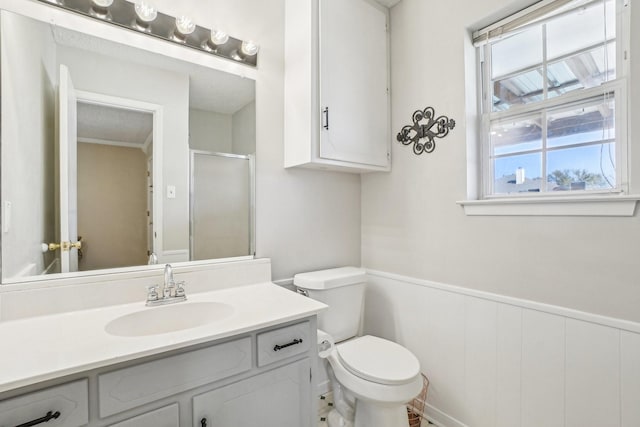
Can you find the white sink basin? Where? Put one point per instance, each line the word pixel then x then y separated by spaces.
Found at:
pixel 169 318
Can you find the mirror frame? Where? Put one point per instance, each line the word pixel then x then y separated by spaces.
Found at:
pixel 52 15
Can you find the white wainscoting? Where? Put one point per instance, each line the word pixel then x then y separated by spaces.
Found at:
pixel 495 361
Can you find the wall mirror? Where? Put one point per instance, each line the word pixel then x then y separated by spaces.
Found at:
pixel 138 156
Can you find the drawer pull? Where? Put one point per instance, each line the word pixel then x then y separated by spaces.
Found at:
pixel 203 422
pixel 50 416
pixel 294 342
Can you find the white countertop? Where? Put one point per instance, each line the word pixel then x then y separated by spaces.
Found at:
pixel 47 347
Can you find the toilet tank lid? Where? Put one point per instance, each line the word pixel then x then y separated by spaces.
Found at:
pixel 331 278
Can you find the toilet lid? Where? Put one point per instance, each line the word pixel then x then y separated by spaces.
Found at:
pixel 378 360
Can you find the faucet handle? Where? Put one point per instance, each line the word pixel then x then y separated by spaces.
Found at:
pixel 152 293
pixel 180 289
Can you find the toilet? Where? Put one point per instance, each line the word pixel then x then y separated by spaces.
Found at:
pixel 372 378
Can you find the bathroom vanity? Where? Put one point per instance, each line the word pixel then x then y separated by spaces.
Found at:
pixel 250 360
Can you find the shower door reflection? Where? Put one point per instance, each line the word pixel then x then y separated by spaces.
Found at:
pixel 222 205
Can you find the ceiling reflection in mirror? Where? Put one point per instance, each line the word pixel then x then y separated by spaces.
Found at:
pixel 115 157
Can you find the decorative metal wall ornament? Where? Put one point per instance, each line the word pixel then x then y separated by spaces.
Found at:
pixel 433 128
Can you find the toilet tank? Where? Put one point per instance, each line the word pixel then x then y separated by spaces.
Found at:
pixel 342 289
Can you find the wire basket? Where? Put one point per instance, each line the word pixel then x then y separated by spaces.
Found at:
pixel 415 408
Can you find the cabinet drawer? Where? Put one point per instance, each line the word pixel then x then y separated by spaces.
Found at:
pixel 70 400
pixel 284 342
pixel 134 386
pixel 163 417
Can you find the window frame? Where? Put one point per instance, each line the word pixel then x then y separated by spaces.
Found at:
pixel 618 87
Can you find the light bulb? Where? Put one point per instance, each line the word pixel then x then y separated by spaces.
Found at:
pixel 103 3
pixel 185 25
pixel 146 12
pixel 219 37
pixel 100 9
pixel 250 48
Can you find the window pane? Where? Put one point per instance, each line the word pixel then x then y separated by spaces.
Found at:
pixel 581 71
pixel 589 122
pixel 581 29
pixel 610 18
pixel 517 174
pixel 517 90
pixel 516 52
pixel 582 168
pixel 516 136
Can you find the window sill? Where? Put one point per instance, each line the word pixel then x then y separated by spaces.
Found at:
pixel 616 205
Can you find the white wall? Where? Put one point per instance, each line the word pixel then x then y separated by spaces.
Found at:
pixel 210 131
pixel 305 220
pixel 29 79
pixel 244 130
pixel 100 74
pixel 500 362
pixel 411 224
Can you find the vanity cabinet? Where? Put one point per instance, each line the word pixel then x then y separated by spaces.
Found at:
pixel 258 378
pixel 272 399
pixel 337 85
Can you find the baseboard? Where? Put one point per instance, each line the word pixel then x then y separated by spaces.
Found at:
pixel 441 419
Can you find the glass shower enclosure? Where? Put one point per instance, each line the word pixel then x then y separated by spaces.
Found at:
pixel 222 205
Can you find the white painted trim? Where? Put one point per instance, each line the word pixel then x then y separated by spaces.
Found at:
pixel 621 324
pixel 94 98
pixel 605 205
pixel 441 419
pixel 147 143
pixel 109 142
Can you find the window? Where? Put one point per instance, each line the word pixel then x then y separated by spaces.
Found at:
pixel 553 100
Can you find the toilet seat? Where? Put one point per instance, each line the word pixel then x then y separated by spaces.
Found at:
pixel 378 360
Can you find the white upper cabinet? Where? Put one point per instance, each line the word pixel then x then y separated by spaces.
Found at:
pixel 336 85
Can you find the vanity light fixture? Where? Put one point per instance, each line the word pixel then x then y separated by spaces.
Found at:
pixel 146 13
pixel 100 9
pixel 248 49
pixel 143 17
pixel 218 38
pixel 184 27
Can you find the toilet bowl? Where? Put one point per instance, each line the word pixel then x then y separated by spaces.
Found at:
pixel 379 376
pixel 372 378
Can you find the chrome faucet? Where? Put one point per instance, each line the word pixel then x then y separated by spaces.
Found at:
pixel 172 291
pixel 169 283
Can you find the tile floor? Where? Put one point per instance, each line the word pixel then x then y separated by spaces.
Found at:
pixel 325 405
